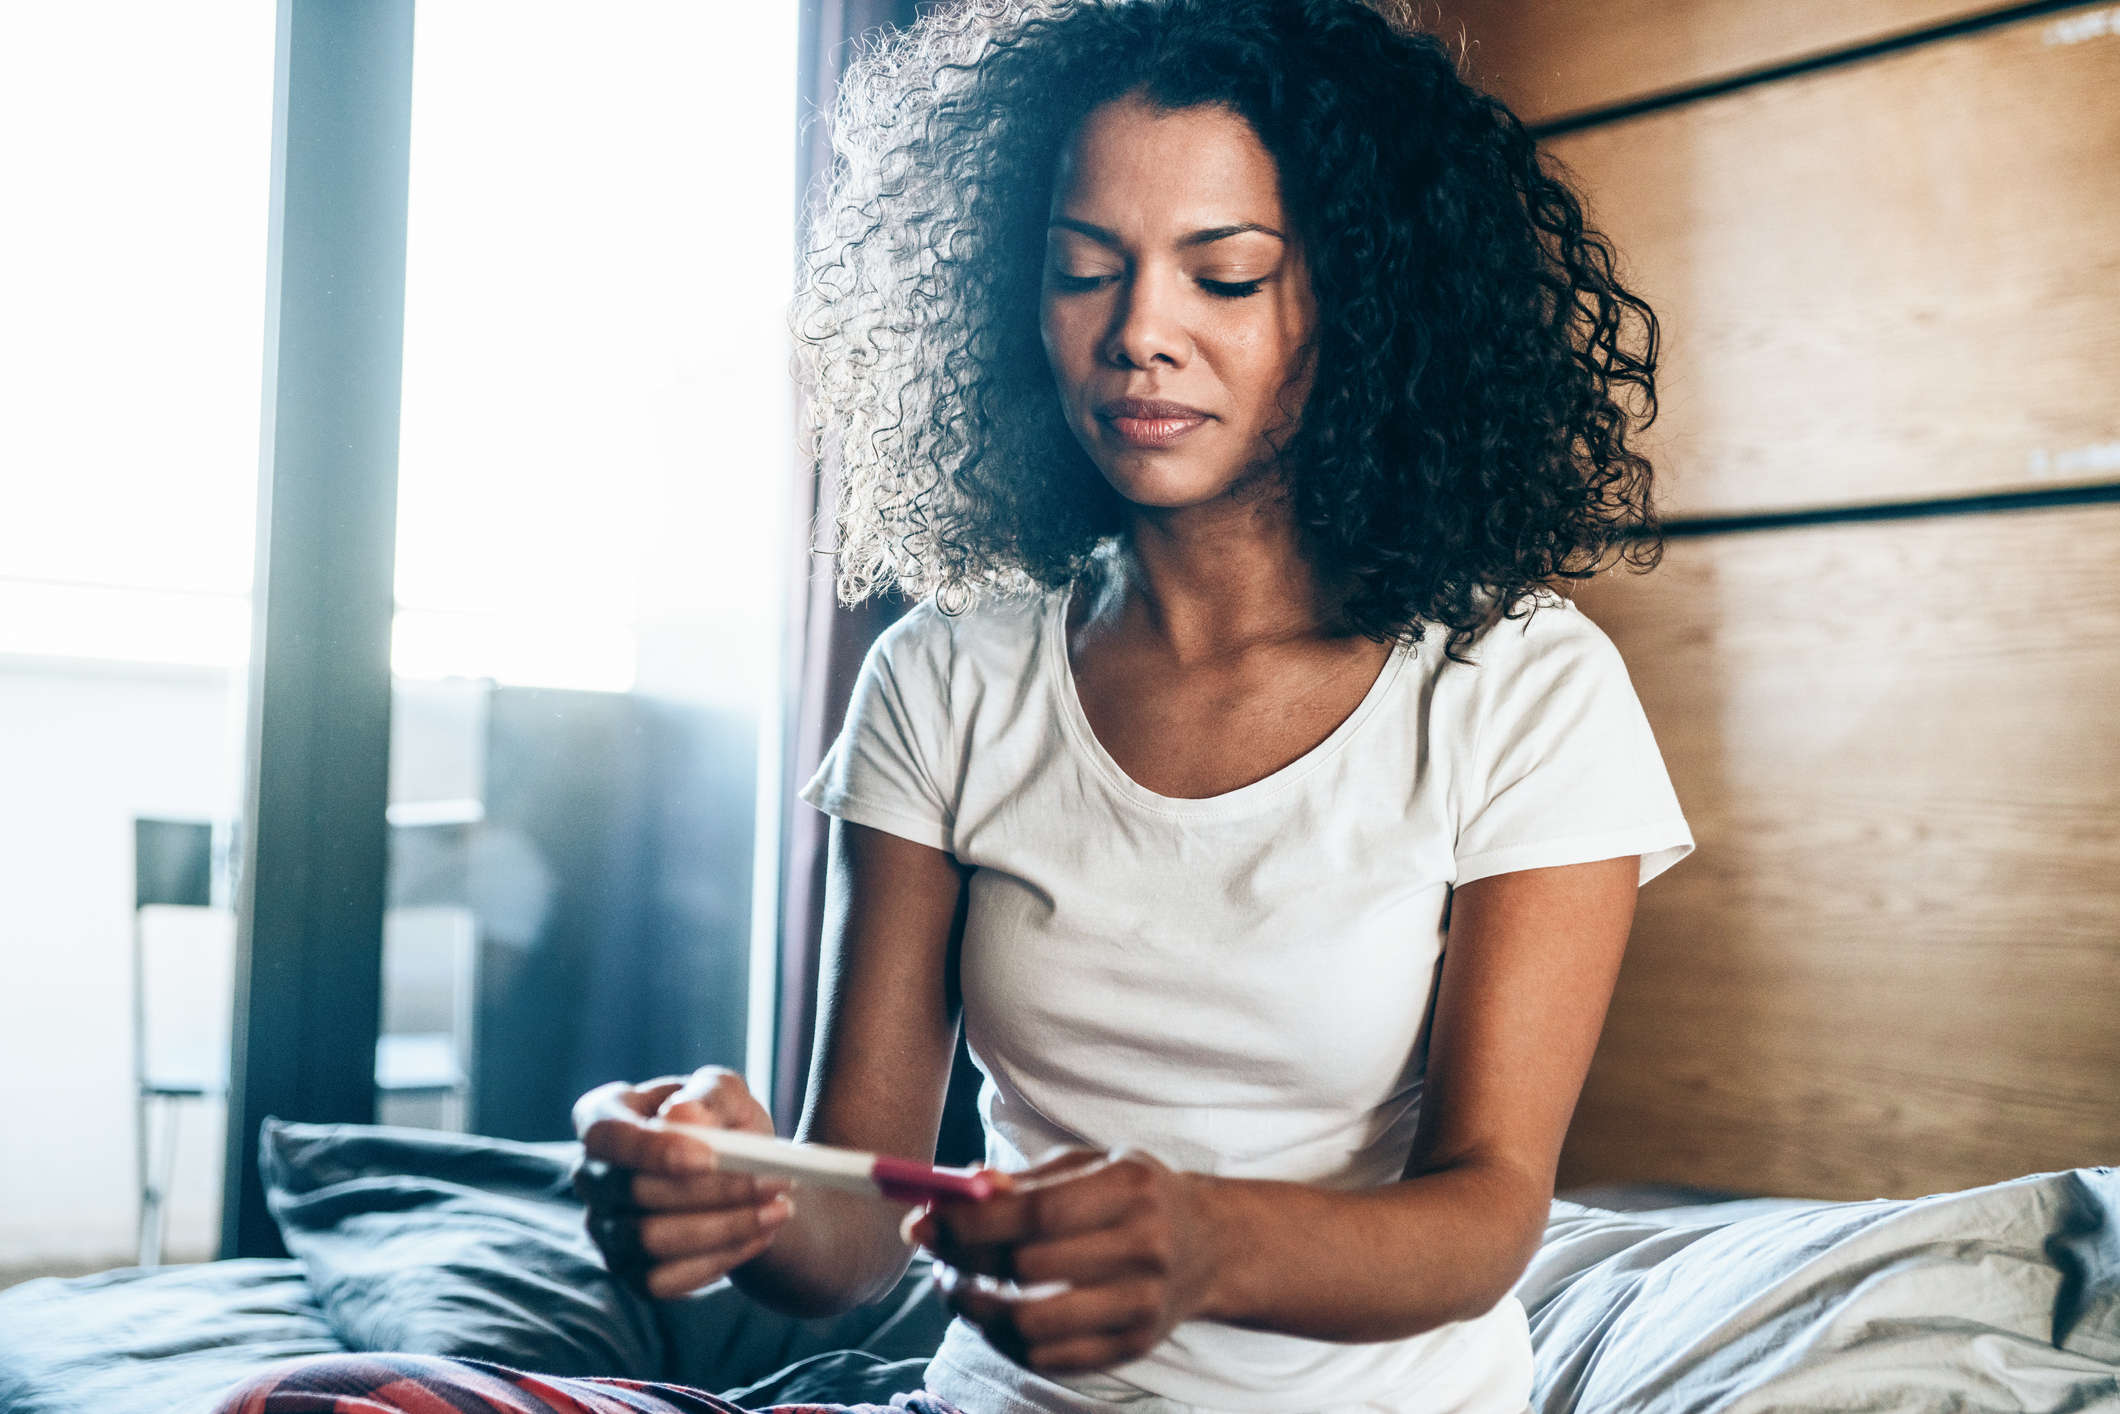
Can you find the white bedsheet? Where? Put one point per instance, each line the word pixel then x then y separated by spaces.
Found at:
pixel 2005 1298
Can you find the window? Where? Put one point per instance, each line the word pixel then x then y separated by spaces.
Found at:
pixel 135 140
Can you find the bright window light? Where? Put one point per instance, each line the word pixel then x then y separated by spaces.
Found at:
pixel 135 154
pixel 596 657
pixel 124 625
pixel 598 425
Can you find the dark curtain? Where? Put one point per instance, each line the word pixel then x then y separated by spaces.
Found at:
pixel 827 640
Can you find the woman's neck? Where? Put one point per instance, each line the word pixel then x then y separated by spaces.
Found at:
pixel 1214 579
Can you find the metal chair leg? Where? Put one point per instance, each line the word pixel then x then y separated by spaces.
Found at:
pixel 168 1180
pixel 154 1205
pixel 143 1160
pixel 151 1195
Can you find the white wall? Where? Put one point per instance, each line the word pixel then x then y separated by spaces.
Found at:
pixel 85 747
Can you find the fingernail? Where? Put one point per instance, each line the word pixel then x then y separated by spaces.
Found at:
pixel 775 1213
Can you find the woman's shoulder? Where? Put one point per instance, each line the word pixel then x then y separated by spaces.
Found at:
pixel 1543 625
pixel 996 635
pixel 1545 645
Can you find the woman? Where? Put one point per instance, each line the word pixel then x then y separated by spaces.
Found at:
pixel 1233 387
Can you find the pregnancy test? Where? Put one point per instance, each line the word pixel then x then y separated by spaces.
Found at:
pixel 877 1175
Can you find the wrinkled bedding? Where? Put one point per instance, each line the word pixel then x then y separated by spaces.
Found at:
pixel 430 1243
pixel 2004 1298
pixel 170 1341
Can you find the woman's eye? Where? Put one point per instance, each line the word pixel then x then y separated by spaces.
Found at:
pixel 1231 289
pixel 1077 284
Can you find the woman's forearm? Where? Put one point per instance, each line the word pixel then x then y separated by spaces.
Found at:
pixel 886 1032
pixel 1529 968
pixel 1379 1264
pixel 838 1251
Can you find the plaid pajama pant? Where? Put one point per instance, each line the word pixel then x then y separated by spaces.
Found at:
pixel 428 1384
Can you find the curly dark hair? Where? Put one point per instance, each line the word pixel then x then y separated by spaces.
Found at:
pixel 1478 367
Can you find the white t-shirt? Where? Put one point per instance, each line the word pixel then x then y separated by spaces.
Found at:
pixel 1239 985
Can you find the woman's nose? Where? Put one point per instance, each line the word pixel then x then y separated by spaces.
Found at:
pixel 1147 329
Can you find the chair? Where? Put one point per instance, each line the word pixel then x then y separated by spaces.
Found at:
pixel 423 1055
pixel 430 986
pixel 172 868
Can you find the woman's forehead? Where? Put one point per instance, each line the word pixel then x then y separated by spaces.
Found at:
pixel 1133 165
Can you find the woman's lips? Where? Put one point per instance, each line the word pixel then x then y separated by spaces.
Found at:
pixel 1149 422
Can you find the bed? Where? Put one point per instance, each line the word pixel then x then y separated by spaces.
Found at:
pixel 2003 1298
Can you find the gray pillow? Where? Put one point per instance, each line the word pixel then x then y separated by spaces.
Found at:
pixel 446 1244
pixel 456 1245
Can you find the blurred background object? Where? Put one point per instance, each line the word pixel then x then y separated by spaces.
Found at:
pixel 596 456
pixel 598 889
pixel 182 979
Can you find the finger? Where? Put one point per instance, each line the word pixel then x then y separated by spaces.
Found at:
pixel 937 1229
pixel 615 1101
pixel 612 1118
pixel 617 1236
pixel 918 1226
pixel 969 1298
pixel 1097 1258
pixel 1083 1199
pixel 648 1095
pixel 708 1078
pixel 598 1104
pixel 985 1259
pixel 605 1188
pixel 987 1310
pixel 667 1193
pixel 676 1236
pixel 717 1097
pixel 619 1099
pixel 1004 1217
pixel 629 1144
pixel 670 1280
pixel 1104 1195
pixel 1094 1310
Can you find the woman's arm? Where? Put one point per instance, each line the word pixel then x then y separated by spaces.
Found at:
pixel 886 1030
pixel 1528 972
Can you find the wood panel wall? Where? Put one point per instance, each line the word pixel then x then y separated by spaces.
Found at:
pixel 1893 967
pixel 1553 58
pixel 1894 280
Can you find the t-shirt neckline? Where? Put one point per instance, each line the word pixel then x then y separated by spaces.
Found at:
pixel 1061 677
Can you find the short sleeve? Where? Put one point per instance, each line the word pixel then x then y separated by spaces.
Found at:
pixel 888 768
pixel 1562 766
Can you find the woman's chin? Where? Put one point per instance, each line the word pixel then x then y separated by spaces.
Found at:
pixel 1160 486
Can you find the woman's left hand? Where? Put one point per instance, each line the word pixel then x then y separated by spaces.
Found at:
pixel 1135 1243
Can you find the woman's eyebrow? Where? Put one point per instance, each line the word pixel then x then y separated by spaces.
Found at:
pixel 1205 237
pixel 1084 228
pixel 1223 233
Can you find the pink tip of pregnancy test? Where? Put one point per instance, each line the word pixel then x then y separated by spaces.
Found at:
pixel 903 1181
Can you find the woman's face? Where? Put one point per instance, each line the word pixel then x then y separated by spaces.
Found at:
pixel 1177 310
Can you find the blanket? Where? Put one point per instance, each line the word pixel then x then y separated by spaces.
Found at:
pixel 2004 1298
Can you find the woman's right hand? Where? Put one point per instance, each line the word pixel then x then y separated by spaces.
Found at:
pixel 668 1222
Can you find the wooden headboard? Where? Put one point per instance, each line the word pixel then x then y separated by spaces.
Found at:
pixel 1888 285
